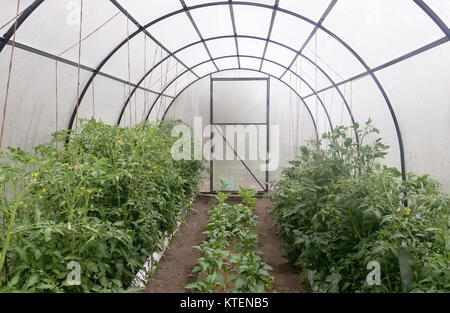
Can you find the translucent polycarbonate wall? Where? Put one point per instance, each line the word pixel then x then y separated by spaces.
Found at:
pixel 124 61
pixel 287 112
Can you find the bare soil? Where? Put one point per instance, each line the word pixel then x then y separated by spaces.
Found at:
pixel 179 259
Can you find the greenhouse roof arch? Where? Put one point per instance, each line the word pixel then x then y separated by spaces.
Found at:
pixel 287 69
pixel 234 69
pixel 213 60
pixel 276 8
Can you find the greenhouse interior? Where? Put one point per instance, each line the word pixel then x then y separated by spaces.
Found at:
pixel 187 146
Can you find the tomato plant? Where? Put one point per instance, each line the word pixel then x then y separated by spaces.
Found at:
pixel 338 208
pixel 105 200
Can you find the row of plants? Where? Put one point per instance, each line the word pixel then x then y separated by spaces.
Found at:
pixel 231 260
pixel 85 216
pixel 344 219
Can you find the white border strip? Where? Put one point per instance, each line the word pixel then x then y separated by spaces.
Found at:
pixel 140 280
pixel 141 277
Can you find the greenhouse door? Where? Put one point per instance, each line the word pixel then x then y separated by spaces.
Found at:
pixel 239 108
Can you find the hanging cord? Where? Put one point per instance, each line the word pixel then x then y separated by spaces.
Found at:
pixel 160 109
pixel 297 118
pixel 300 129
pixel 195 99
pixel 11 20
pixel 290 126
pixel 9 76
pixel 161 85
pixel 188 113
pixel 93 99
pixel 351 95
pixel 35 132
pixel 162 76
pixel 79 65
pixel 150 81
pixel 325 63
pixel 145 71
pixel 342 107
pixel 129 68
pixel 332 101
pixel 176 84
pixel 124 99
pixel 135 108
pixel 315 72
pixel 56 100
pixel 90 34
pixel 80 40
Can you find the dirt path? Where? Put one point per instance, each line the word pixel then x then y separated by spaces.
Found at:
pixel 286 278
pixel 180 258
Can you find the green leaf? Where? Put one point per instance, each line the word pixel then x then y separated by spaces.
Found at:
pixel 22 253
pixel 14 280
pixel 34 278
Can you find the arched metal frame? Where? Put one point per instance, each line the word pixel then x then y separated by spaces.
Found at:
pixel 20 20
pixel 260 71
pixel 436 19
pixel 244 69
pixel 211 60
pixel 239 56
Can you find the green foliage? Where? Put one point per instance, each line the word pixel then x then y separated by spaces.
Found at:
pixel 230 259
pixel 106 200
pixel 337 209
pixel 248 197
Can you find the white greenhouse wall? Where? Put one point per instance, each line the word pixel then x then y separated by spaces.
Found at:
pixel 287 112
pixel 377 31
pixel 419 89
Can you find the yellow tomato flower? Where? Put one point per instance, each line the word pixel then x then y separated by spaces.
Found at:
pixel 120 142
pixel 41 197
pixel 44 190
pixel 82 188
pixel 35 175
pixel 89 191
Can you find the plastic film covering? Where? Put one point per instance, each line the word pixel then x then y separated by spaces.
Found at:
pixel 338 62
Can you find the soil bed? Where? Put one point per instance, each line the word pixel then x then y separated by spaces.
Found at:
pixel 179 259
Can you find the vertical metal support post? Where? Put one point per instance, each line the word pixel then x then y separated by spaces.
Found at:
pixel 268 133
pixel 211 123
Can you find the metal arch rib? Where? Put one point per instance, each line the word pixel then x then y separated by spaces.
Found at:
pixel 244 56
pixel 246 69
pixel 256 38
pixel 20 20
pixel 311 35
pixel 420 3
pixel 143 28
pixel 436 19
